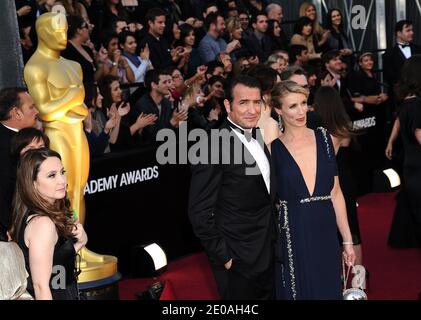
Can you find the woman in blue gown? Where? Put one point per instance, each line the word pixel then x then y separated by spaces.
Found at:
pixel 311 204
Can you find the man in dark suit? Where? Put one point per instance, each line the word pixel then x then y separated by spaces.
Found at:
pixel 395 57
pixel 17 111
pixel 232 208
pixel 257 41
pixel 155 101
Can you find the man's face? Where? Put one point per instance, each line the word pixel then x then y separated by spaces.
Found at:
pixel 220 25
pixel 157 27
pixel 261 24
pixel 164 85
pixel 244 21
pixel 27 113
pixel 334 64
pixel 245 108
pixel 407 33
pixel 276 14
pixel 304 56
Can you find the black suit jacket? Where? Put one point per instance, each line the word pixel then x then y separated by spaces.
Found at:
pixel 7 176
pixel 148 106
pixel 232 213
pixel 262 49
pixel 393 60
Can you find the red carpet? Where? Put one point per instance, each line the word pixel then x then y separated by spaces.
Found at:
pixel 395 274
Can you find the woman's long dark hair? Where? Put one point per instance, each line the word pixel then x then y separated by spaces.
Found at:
pixel 410 79
pixel 28 199
pixel 328 105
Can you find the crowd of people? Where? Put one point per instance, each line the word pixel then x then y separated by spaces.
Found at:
pixel 225 64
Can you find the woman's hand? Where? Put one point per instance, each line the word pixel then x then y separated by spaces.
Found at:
pixel 80 236
pixel 348 254
pixel 389 151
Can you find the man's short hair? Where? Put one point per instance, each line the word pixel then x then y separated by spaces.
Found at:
pixel 152 76
pixel 211 18
pixel 245 80
pixel 254 17
pixel 9 98
pixel 401 24
pixel 266 76
pixel 212 65
pixel 296 50
pixel 153 13
pixel 332 54
pixel 292 71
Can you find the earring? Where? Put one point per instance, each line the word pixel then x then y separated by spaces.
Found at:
pixel 280 123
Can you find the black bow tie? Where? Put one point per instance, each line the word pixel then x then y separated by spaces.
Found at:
pixel 247 134
pixel 403 46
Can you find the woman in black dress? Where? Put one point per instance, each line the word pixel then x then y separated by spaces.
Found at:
pixel 44 226
pixel 406 226
pixel 330 112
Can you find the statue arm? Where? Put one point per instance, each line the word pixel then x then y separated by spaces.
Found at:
pixel 53 109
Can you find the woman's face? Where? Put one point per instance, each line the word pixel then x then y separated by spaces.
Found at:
pixel 218 87
pixel 311 13
pixel 36 143
pixel 336 18
pixel 236 34
pixel 276 29
pixel 115 91
pixel 307 29
pixel 177 79
pixel 130 45
pixel 176 31
pixel 99 98
pixel 189 39
pixel 84 32
pixel 367 63
pixel 294 110
pixel 51 181
pixel 112 46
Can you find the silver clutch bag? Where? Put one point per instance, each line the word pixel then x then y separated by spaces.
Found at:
pixel 356 292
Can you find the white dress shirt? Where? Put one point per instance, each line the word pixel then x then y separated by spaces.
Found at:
pixel 258 153
pixel 406 51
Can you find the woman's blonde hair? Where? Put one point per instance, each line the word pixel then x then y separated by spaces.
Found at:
pixel 317 28
pixel 231 24
pixel 282 89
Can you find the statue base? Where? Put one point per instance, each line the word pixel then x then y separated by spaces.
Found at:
pixel 104 289
pixel 96 267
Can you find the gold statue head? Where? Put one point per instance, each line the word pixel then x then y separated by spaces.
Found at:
pixel 51 29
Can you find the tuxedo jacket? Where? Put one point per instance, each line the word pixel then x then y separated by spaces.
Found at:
pixel 7 176
pixel 393 60
pixel 232 213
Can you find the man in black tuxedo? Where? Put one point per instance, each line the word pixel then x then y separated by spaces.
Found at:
pixel 17 111
pixel 231 208
pixel 395 57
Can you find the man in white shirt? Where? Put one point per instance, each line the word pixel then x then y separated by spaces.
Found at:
pixel 231 208
pixel 17 111
pixel 395 57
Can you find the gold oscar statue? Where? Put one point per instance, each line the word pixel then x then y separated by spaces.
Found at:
pixel 56 86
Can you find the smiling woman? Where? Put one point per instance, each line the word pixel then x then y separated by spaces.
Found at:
pixel 311 204
pixel 44 227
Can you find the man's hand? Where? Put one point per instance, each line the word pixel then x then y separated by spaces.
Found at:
pixel 178 116
pixel 228 264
